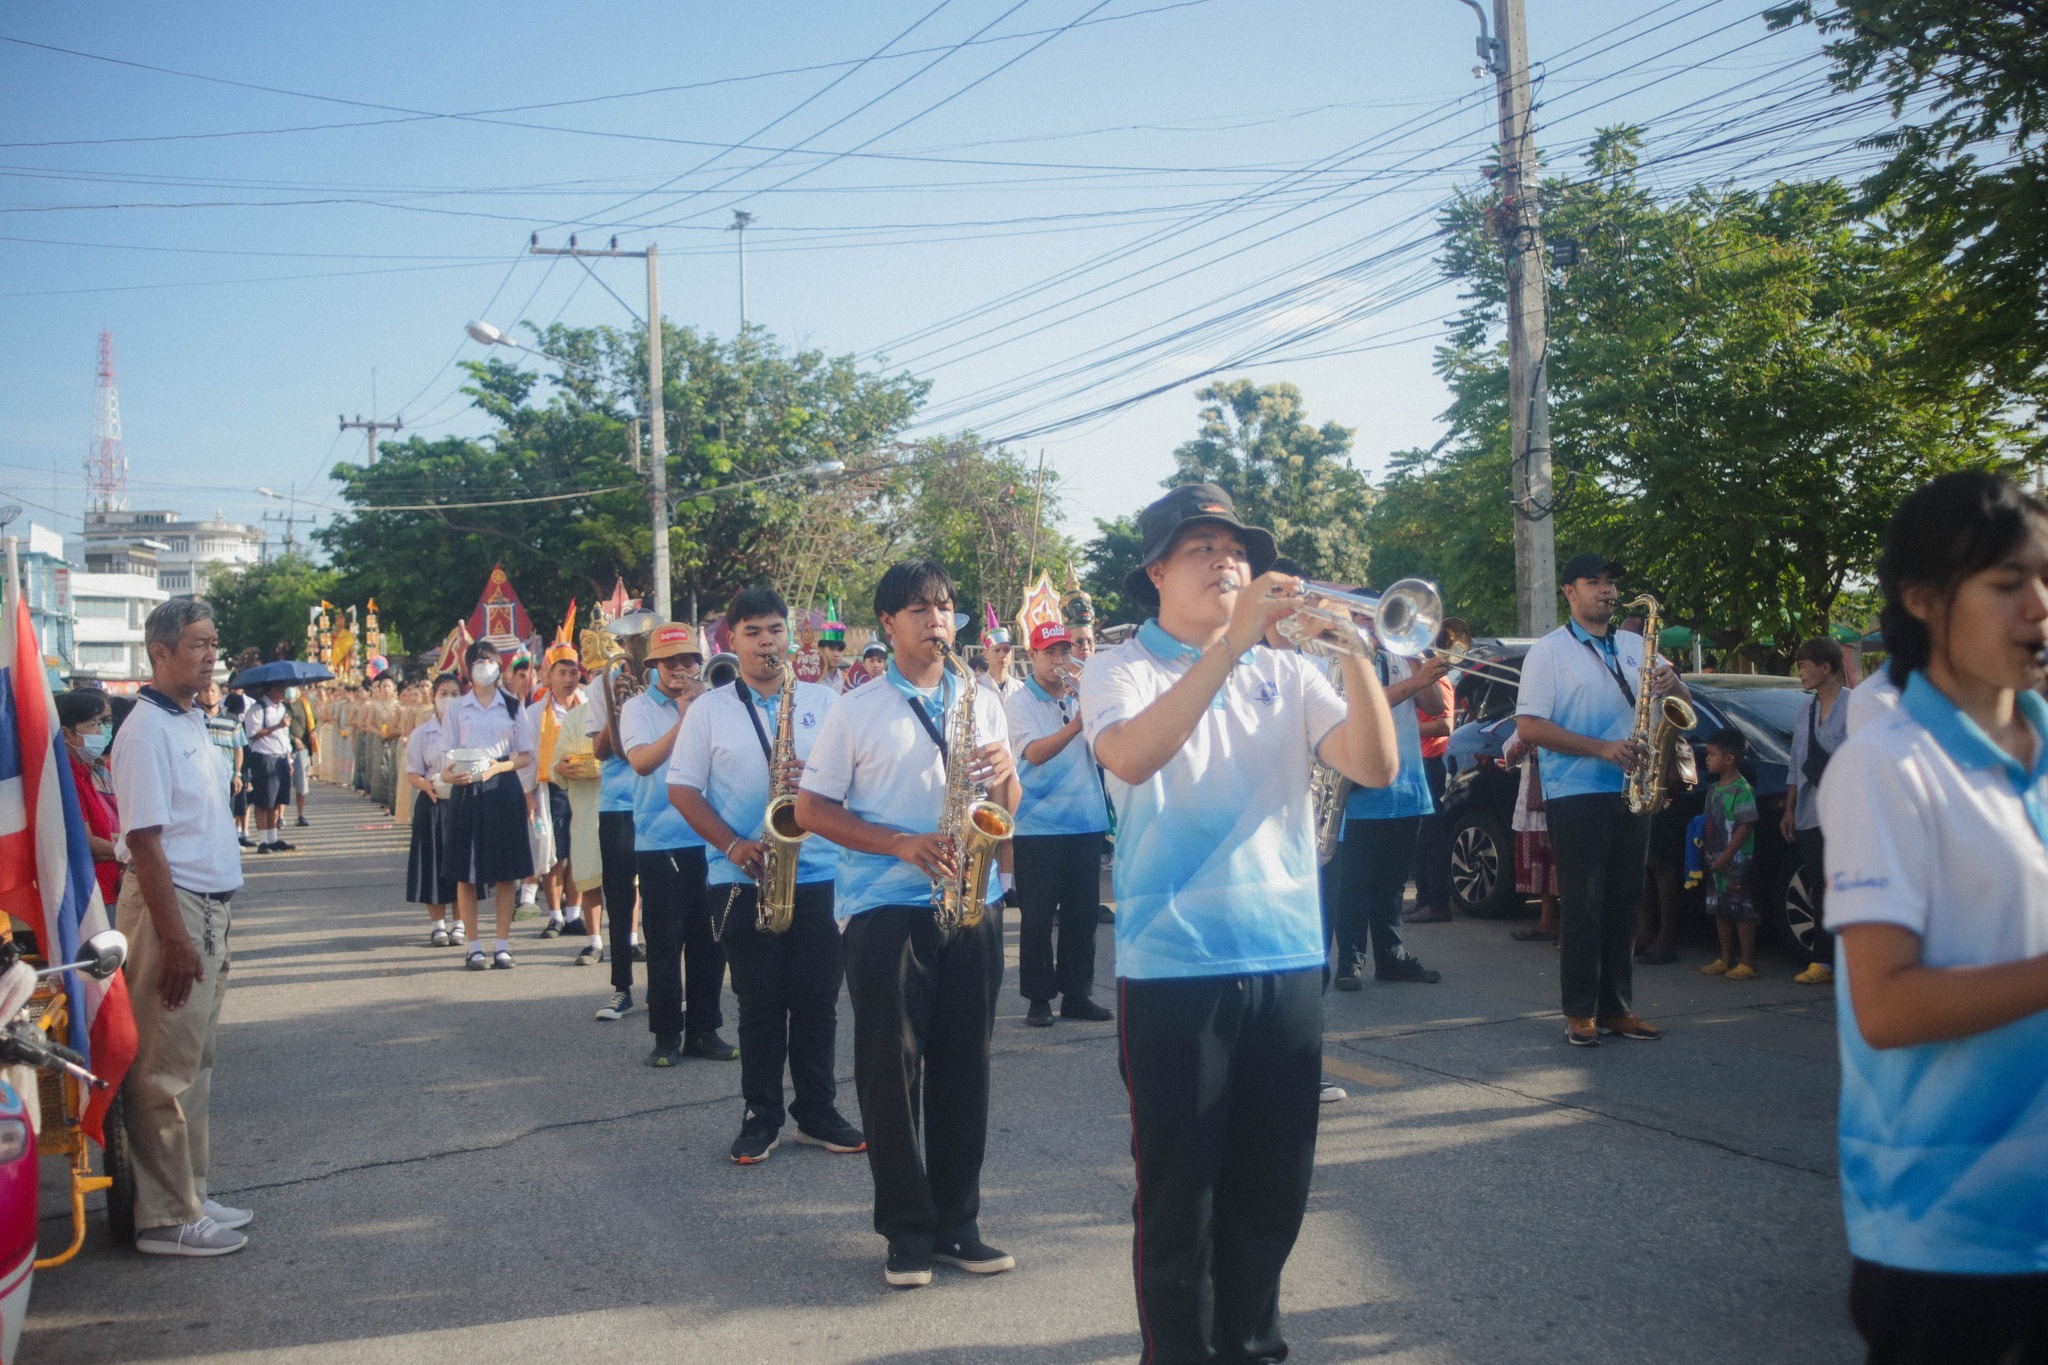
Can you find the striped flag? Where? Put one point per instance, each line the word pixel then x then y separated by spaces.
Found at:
pixel 46 874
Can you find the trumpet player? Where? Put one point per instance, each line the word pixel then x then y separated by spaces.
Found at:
pixel 1208 743
pixel 923 994
pixel 1062 826
pixel 720 781
pixel 1577 705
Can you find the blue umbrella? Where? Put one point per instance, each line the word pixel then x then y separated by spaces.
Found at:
pixel 289 671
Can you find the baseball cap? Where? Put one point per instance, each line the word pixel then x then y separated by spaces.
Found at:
pixel 1049 633
pixel 1588 566
pixel 672 639
pixel 1189 505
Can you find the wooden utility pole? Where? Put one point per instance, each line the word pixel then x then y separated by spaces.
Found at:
pixel 1520 227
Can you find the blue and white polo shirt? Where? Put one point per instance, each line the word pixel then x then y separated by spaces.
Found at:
pixel 1064 795
pixel 719 753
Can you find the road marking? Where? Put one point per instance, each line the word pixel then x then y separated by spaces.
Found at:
pixel 1364 1075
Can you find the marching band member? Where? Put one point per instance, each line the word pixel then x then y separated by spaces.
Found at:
pixel 684 1015
pixel 1062 827
pixel 1577 704
pixel 1207 743
pixel 787 982
pixel 923 996
pixel 487 842
pixel 429 876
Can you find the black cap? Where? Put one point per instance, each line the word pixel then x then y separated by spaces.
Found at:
pixel 1588 566
pixel 1189 505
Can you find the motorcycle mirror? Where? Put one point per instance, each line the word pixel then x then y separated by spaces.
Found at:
pixel 100 956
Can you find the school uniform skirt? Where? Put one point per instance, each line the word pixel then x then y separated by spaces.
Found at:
pixel 487 832
pixel 429 877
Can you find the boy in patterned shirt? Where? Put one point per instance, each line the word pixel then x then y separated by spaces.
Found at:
pixel 1730 841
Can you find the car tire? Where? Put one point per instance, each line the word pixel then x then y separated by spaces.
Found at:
pixel 1798 919
pixel 117 1164
pixel 1483 866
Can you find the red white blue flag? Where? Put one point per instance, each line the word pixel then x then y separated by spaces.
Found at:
pixel 46 874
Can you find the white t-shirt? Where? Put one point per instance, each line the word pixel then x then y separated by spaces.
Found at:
pixel 719 753
pixel 1875 696
pixel 1944 1146
pixel 166 777
pixel 875 758
pixel 261 715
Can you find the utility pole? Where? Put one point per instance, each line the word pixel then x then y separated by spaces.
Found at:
pixel 740 219
pixel 657 425
pixel 373 426
pixel 1520 227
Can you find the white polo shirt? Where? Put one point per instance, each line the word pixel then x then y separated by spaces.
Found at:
pixel 1063 796
pixel 1570 679
pixel 875 758
pixel 657 825
pixel 719 753
pixel 1216 870
pixel 1873 698
pixel 1944 1146
pixel 261 715
pixel 166 777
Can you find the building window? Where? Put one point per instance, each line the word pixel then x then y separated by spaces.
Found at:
pixel 103 655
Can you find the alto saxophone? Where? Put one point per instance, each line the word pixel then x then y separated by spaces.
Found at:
pixel 974 823
pixel 1329 790
pixel 1658 724
pixel 776 903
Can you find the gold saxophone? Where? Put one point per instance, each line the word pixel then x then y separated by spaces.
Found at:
pixel 1659 723
pixel 1329 790
pixel 974 823
pixel 776 902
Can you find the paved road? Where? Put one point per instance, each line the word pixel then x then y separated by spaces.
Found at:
pixel 465 1166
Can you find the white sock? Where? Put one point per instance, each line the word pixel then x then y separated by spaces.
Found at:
pixel 633 938
pixel 269 836
pixel 504 945
pixel 528 895
pixel 440 924
pixel 1005 880
pixel 597 941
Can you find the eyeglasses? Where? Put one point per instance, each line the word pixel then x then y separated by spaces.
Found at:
pixel 678 662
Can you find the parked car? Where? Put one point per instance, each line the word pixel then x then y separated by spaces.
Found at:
pixel 1479 798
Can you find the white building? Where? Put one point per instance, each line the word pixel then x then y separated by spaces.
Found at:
pixel 108 612
pixel 186 553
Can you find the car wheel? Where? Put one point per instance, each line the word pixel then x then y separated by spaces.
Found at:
pixel 1483 866
pixel 1799 918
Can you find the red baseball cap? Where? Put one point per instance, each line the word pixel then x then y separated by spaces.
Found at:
pixel 1049 633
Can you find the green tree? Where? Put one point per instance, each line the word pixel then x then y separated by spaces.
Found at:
pixel 1294 479
pixel 1967 178
pixel 264 604
pixel 1109 559
pixel 978 512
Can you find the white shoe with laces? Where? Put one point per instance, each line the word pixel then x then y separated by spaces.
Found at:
pixel 227 1215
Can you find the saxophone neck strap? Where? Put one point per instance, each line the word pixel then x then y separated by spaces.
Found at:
pixel 1609 655
pixel 923 707
pixel 751 705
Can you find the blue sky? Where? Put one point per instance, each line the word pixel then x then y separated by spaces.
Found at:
pixel 1045 225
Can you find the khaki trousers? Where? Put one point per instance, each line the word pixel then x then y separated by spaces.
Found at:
pixel 170 1085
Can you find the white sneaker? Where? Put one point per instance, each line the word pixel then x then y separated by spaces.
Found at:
pixel 1330 1094
pixel 227 1215
pixel 202 1237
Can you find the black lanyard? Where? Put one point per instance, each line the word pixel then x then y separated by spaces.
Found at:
pixel 924 718
pixel 753 714
pixel 1611 663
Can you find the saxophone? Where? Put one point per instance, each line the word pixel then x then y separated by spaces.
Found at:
pixel 1658 724
pixel 974 823
pixel 1329 790
pixel 776 902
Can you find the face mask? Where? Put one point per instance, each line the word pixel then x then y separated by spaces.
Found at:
pixel 96 743
pixel 291 694
pixel 443 705
pixel 483 672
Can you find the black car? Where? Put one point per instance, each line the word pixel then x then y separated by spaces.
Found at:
pixel 1479 796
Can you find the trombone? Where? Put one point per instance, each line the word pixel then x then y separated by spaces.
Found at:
pixel 1406 618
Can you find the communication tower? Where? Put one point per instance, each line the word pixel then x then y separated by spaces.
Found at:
pixel 106 467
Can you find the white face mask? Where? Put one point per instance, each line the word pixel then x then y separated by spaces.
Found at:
pixel 443 705
pixel 484 672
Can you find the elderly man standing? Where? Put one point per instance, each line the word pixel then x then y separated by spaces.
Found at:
pixel 178 839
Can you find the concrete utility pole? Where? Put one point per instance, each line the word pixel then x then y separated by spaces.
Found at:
pixel 1521 235
pixel 740 221
pixel 657 426
pixel 373 426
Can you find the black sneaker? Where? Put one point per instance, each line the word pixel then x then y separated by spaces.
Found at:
pixel 639 952
pixel 667 1052
pixel 974 1256
pixel 262 848
pixel 834 1134
pixel 618 1007
pixel 1040 1014
pixel 910 1263
pixel 574 928
pixel 303 822
pixel 280 846
pixel 710 1047
pixel 755 1142
pixel 1085 1009
pixel 587 956
pixel 246 842
pixel 1104 915
pixel 1408 969
pixel 1347 979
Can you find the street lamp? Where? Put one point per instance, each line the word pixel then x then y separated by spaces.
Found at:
pixel 485 334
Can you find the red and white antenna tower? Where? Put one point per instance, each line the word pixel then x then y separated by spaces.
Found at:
pixel 106 467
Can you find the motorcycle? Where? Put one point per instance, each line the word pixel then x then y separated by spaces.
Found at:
pixel 24 1043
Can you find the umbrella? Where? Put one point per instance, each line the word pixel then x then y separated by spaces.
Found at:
pixel 282 671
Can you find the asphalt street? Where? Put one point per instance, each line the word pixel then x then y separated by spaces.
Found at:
pixel 448 1165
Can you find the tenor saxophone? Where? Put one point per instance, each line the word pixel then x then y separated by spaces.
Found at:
pixel 1659 722
pixel 776 903
pixel 974 823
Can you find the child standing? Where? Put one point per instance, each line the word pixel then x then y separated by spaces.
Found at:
pixel 1731 821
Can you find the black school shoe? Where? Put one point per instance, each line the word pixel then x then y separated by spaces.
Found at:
pixel 1040 1014
pixel 973 1255
pixel 1408 969
pixel 910 1262
pixel 1083 1008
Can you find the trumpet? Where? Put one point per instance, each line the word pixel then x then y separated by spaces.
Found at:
pixel 1405 618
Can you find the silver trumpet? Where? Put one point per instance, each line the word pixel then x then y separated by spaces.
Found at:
pixel 1405 619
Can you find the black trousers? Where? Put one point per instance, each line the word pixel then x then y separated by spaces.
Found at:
pixel 1433 846
pixel 1813 863
pixel 788 989
pixel 677 921
pixel 1372 872
pixel 1602 852
pixel 1059 886
pixel 1223 1073
pixel 615 847
pixel 924 1002
pixel 1921 1317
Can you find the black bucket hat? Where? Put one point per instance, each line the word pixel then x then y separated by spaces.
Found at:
pixel 1189 505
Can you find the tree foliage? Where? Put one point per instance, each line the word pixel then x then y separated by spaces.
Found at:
pixel 262 605
pixel 1738 401
pixel 1110 557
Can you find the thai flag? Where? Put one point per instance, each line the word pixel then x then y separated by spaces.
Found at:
pixel 46 875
